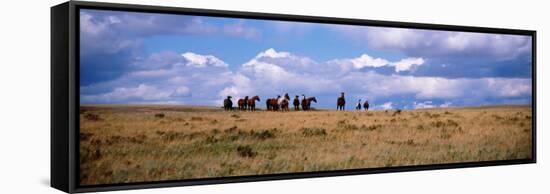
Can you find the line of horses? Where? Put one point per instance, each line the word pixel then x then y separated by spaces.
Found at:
pixel 282 103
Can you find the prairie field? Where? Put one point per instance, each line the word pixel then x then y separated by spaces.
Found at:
pixel 136 143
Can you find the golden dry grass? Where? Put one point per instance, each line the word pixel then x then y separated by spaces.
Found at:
pixel 123 144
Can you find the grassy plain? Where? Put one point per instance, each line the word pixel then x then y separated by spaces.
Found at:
pixel 135 143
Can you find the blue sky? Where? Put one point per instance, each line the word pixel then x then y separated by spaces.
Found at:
pixel 144 58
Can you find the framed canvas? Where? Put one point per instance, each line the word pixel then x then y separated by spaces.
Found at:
pixel 149 96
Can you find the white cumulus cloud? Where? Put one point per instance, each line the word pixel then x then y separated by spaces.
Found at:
pixel 203 60
pixel 368 61
pixel 272 53
pixel 406 64
pixel 423 105
pixel 386 106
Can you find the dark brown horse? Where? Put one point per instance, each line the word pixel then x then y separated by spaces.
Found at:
pixel 306 103
pixel 272 103
pixel 341 102
pixel 366 105
pixel 243 103
pixel 227 103
pixel 252 103
pixel 296 103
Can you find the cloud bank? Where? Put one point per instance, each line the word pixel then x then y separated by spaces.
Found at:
pixel 194 78
pixel 396 68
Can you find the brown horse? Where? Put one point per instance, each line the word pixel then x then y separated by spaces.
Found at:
pixel 341 102
pixel 284 102
pixel 252 103
pixel 243 103
pixel 306 103
pixel 272 103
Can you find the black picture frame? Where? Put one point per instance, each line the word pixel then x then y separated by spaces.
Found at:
pixel 65 94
